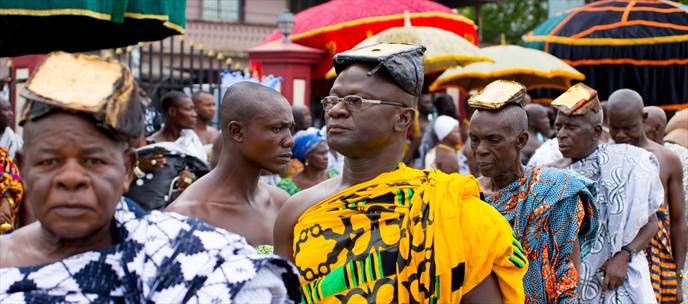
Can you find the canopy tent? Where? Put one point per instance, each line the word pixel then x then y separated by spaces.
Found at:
pixel 533 68
pixel 34 27
pixel 349 22
pixel 642 45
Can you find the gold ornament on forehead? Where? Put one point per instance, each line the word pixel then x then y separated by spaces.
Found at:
pixel 577 100
pixel 497 94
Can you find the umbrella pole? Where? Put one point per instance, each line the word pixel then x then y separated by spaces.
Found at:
pixel 479 22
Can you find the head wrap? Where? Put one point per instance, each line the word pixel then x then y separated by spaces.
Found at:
pixel 498 94
pixel 305 142
pixel 577 100
pixel 443 126
pixel 403 62
pixel 103 90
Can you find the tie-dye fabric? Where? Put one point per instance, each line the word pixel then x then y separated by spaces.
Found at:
pixel 549 209
pixel 629 192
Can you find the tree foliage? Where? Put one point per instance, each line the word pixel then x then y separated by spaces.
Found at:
pixel 513 18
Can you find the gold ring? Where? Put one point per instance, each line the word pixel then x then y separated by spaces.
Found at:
pixel 153 162
pixel 187 180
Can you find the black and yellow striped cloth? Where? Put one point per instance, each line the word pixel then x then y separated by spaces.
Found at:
pixel 406 236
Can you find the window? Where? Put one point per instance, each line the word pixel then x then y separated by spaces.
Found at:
pixel 223 10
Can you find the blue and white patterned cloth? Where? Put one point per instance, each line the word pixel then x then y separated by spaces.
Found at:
pixel 158 258
pixel 629 192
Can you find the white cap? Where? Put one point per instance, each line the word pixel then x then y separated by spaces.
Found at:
pixel 443 126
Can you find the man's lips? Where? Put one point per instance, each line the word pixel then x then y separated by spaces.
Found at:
pixel 71 210
pixel 284 157
pixel 336 129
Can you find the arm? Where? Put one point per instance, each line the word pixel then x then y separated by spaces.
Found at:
pixel 615 268
pixel 486 292
pixel 283 232
pixel 677 218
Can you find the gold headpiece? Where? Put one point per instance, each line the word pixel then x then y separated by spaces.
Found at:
pixel 85 84
pixel 577 100
pixel 498 94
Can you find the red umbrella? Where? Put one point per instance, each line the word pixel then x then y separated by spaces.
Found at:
pixel 339 25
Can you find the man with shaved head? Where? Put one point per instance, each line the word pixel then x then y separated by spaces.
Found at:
pixel 630 192
pixel 382 232
pixel 204 105
pixel 655 125
pixel 539 130
pixel 256 124
pixel 550 210
pixel 626 124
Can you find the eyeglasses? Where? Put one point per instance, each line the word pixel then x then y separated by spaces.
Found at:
pixel 355 103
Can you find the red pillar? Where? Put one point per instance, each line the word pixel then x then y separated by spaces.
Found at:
pixel 22 68
pixel 291 61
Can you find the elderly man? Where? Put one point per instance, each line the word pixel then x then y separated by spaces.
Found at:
pixel 630 192
pixel 626 126
pixel 550 210
pixel 90 245
pixel 255 136
pixel 383 232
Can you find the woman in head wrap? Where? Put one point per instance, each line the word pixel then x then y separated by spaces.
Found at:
pixel 311 150
pixel 444 156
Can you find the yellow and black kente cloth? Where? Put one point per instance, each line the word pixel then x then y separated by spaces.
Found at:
pixel 406 236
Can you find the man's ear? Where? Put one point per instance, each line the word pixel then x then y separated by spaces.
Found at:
pixel 522 140
pixel 130 160
pixel 406 119
pixel 236 131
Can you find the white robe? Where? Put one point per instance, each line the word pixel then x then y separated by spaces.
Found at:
pixel 629 192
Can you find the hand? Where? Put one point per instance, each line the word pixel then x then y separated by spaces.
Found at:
pixel 679 294
pixel 615 270
pixel 185 179
pixel 151 162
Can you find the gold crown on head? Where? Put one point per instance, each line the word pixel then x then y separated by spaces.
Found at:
pixel 498 94
pixel 577 100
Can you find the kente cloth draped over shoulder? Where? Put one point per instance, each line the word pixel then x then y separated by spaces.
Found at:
pixel 548 210
pixel 629 192
pixel 661 261
pixel 11 189
pixel 406 236
pixel 158 258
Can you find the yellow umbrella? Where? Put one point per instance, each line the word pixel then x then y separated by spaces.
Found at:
pixel 444 49
pixel 533 68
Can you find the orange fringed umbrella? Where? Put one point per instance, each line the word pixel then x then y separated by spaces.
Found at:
pixel 349 22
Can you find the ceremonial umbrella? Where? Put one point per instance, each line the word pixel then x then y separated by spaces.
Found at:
pixel 32 27
pixel 534 69
pixel 339 25
pixel 642 45
pixel 444 49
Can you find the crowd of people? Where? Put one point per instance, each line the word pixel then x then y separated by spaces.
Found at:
pixel 396 199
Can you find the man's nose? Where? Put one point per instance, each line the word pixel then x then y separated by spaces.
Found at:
pixel 72 177
pixel 339 110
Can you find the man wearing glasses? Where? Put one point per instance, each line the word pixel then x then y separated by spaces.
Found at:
pixel 383 232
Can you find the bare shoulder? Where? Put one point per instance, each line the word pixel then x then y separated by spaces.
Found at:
pixel 277 195
pixel 294 207
pixel 182 206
